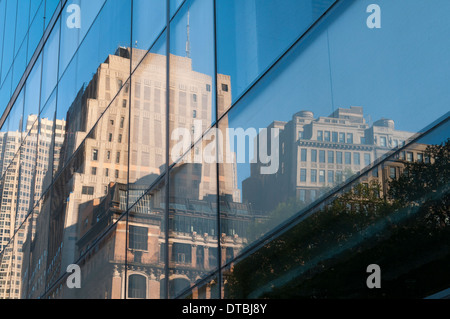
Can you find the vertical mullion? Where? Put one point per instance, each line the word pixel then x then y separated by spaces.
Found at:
pixel 130 87
pixel 167 176
pixel 219 246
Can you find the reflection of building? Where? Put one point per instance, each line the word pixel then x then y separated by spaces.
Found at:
pixel 319 153
pixel 192 247
pixel 19 191
pixel 394 167
pixel 99 160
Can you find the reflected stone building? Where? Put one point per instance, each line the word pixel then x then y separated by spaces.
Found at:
pixel 318 154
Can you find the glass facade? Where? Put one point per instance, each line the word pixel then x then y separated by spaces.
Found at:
pixel 221 149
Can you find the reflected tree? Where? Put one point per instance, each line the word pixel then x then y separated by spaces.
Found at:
pixel 326 254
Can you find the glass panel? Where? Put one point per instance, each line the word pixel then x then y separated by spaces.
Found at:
pixel 208 288
pixel 50 63
pixel 96 74
pixel 5 92
pixel 36 30
pixel 20 63
pixel 11 264
pixel 147 118
pixel 76 20
pixel 2 28
pixel 146 243
pixel 8 40
pixel 32 94
pixel 102 263
pixel 193 242
pixel 263 135
pixel 21 27
pixel 12 134
pixel 50 6
pixel 399 224
pixel 191 103
pixel 149 21
pixel 50 133
pixel 252 34
pixel 36 263
pixel 95 176
pixel 27 172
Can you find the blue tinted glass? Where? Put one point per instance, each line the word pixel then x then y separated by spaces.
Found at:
pixel 8 41
pixel 36 30
pixel 22 22
pixel 252 34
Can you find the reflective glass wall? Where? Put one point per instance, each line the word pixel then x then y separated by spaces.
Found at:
pixel 214 149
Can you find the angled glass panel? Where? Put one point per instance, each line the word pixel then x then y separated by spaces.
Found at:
pixel 102 263
pixel 76 20
pixel 149 22
pixel 22 19
pixel 5 92
pixel 86 183
pixel 50 63
pixel 32 95
pixel 35 263
pixel 8 40
pixel 96 74
pixel 252 34
pixel 145 251
pixel 192 83
pixel 148 118
pixel 36 30
pixel 193 216
pixel 11 264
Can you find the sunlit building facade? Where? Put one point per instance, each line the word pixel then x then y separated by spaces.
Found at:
pixel 223 149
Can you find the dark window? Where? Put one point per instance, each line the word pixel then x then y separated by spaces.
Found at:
pixel 95 155
pixel 338 157
pixel 367 159
pixel 392 172
pixel 330 177
pixel 341 137
pixel 331 157
pixel 321 176
pixel 303 155
pixel 181 253
pixel 334 136
pixel 313 156
pixel 320 135
pixel 321 156
pixel 348 158
pixel 356 159
pixel 313 176
pixel 350 138
pixel 137 287
pixel 225 87
pixel 138 237
pixel 87 190
pixel 302 175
